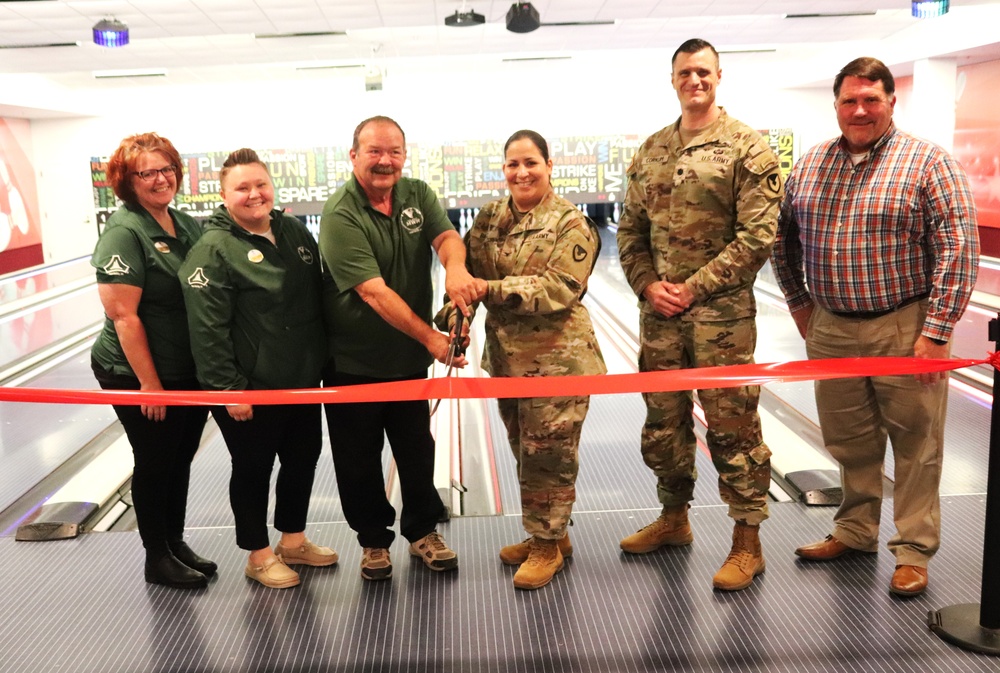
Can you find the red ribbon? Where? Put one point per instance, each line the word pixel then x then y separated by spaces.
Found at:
pixel 540 386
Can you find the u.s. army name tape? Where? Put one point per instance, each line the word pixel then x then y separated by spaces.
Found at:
pixel 541 386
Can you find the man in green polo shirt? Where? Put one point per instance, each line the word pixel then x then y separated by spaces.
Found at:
pixel 377 236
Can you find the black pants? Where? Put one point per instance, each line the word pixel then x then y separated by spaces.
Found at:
pixel 294 434
pixel 163 451
pixel 357 435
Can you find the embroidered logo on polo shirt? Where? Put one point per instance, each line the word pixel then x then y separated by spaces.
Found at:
pixel 198 279
pixel 116 267
pixel 305 254
pixel 412 219
pixel 161 246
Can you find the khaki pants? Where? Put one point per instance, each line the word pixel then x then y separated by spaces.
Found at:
pixel 858 415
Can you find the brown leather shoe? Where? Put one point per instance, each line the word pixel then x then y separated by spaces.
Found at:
pixel 908 580
pixel 826 549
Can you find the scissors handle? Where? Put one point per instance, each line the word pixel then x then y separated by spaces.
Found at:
pixel 456 341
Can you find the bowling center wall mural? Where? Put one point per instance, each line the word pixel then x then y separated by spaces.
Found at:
pixel 20 229
pixel 465 174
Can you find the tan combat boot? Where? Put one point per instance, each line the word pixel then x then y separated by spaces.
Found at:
pixel 516 554
pixel 745 560
pixel 543 562
pixel 671 528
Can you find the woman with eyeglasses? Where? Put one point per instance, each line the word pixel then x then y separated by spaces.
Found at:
pixel 144 346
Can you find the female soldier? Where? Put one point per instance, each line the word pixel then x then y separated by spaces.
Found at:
pixel 144 346
pixel 533 252
pixel 252 287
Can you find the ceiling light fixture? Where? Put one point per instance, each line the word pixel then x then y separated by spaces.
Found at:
pixel 110 33
pixel 522 59
pixel 522 17
pixel 142 72
pixel 39 45
pixel 463 19
pixel 324 33
pixel 330 66
pixel 925 9
pixel 829 15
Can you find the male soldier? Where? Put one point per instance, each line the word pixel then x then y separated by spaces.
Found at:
pixel 888 271
pixel 698 223
pixel 376 237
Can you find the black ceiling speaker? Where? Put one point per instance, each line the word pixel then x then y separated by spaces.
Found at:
pixel 522 18
pixel 464 19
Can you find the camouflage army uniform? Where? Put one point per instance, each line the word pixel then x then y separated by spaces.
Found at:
pixel 537 269
pixel 704 215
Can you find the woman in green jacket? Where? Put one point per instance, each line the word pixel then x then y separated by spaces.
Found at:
pixel 253 292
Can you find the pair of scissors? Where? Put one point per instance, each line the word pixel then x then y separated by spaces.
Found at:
pixel 456 349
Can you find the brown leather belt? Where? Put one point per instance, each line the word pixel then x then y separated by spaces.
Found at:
pixel 871 315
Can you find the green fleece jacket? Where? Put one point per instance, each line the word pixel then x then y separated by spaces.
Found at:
pixel 254 307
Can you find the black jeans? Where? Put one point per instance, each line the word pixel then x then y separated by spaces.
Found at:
pixel 163 451
pixel 293 433
pixel 357 435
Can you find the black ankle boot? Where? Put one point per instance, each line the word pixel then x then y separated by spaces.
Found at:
pixel 167 570
pixel 191 559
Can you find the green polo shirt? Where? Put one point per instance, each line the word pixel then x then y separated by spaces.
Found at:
pixel 135 250
pixel 359 243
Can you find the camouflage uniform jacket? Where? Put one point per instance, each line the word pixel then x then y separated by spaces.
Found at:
pixel 536 270
pixel 703 214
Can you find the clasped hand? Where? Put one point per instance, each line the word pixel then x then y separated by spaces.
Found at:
pixel 668 299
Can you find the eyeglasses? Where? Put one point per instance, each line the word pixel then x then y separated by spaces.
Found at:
pixel 150 175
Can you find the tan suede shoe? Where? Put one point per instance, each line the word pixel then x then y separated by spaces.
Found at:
pixel 273 573
pixel 308 554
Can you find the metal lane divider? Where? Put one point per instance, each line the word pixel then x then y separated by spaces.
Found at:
pixel 97 488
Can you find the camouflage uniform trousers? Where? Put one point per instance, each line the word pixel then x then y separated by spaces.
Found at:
pixel 734 435
pixel 544 434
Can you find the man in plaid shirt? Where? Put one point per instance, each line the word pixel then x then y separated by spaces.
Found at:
pixel 877 253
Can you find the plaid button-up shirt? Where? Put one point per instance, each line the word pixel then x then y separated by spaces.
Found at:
pixel 868 237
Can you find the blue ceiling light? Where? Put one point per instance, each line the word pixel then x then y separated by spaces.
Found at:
pixel 110 33
pixel 926 9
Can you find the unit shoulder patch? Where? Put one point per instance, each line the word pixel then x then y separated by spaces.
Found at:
pixel 117 267
pixel 198 279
